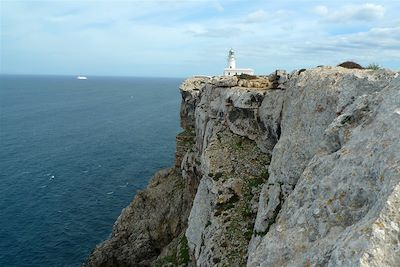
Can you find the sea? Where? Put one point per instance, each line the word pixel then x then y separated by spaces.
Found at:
pixel 73 153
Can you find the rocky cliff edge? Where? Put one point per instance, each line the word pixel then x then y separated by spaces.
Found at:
pixel 299 169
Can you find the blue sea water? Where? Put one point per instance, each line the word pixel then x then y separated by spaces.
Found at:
pixel 72 155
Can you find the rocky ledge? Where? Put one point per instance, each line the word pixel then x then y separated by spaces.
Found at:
pixel 299 169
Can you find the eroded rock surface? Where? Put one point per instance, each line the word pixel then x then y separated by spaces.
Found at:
pixel 150 231
pixel 299 169
pixel 340 137
pixel 148 224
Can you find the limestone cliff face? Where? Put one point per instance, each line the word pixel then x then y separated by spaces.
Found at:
pixel 150 231
pixel 299 169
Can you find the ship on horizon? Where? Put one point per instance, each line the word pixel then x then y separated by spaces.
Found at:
pixel 81 78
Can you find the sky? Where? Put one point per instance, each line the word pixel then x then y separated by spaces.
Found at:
pixel 184 38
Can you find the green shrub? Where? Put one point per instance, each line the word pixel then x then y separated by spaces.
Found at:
pixel 246 76
pixel 373 66
pixel 350 65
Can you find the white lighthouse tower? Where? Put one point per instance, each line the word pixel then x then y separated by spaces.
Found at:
pixel 231 69
pixel 231 60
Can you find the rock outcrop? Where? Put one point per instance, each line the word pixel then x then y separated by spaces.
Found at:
pixel 299 169
pixel 332 173
pixel 150 231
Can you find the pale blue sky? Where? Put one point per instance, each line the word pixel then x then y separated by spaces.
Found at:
pixel 183 38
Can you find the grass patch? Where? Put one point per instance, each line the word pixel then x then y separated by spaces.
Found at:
pixel 178 258
pixel 166 260
pixel 183 254
pixel 246 211
pixel 186 138
pixel 255 182
pixel 189 132
pixel 228 206
pixel 248 234
pixel 238 145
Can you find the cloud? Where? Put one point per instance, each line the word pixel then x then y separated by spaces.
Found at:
pixel 377 42
pixel 365 12
pixel 256 16
pixel 213 32
pixel 321 10
pixel 218 6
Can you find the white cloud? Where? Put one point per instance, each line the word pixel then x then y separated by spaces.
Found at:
pixel 196 29
pixel 256 16
pixel 218 6
pixel 376 44
pixel 321 10
pixel 365 12
pixel 213 32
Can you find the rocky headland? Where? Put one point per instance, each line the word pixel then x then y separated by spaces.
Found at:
pixel 287 169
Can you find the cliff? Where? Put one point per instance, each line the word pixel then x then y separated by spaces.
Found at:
pixel 299 169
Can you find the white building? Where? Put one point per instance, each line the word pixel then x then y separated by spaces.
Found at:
pixel 231 69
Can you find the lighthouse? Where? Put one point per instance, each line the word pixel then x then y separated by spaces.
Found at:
pixel 231 69
pixel 231 59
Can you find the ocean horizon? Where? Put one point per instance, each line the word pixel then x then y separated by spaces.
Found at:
pixel 74 153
